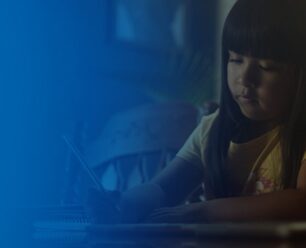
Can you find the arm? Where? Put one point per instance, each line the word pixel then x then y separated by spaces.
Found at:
pixel 285 205
pixel 289 204
pixel 168 188
pixel 178 179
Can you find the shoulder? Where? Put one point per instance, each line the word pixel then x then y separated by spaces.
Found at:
pixel 192 150
pixel 200 134
pixel 206 123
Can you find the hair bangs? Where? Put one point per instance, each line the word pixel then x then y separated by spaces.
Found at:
pixel 259 32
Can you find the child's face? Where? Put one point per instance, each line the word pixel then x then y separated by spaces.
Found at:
pixel 262 88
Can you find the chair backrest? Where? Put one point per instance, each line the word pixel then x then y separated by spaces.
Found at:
pixel 136 144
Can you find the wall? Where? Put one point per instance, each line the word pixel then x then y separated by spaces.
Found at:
pixel 60 67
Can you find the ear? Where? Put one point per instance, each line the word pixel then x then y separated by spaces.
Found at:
pixel 301 180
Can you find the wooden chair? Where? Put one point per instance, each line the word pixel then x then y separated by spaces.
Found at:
pixel 138 143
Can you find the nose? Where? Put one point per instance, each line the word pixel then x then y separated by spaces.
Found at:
pixel 247 76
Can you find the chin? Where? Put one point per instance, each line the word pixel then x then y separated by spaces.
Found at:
pixel 253 114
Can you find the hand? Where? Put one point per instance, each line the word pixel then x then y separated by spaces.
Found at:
pixel 102 208
pixel 135 204
pixel 138 202
pixel 190 213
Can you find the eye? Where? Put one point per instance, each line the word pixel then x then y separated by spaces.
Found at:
pixel 269 65
pixel 235 58
pixel 238 61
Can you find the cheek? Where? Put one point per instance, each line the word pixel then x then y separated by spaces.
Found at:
pixel 230 81
pixel 274 98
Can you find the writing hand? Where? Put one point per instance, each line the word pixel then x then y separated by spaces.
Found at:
pixel 102 207
pixel 190 213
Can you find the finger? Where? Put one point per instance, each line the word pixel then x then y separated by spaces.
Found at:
pixel 162 214
pixel 167 218
pixel 166 210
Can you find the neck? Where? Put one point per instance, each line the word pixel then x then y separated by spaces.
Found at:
pixel 252 130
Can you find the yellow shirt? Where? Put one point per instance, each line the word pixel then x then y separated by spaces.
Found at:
pixel 255 166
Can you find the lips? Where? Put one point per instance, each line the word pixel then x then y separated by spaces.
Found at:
pixel 247 98
pixel 250 97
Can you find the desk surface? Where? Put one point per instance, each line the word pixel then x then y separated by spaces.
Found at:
pixel 278 235
pixel 69 228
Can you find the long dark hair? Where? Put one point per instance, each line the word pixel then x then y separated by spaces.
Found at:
pixel 271 29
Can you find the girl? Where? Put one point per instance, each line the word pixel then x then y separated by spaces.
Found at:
pixel 250 154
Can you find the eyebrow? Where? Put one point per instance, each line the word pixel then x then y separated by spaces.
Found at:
pixel 232 53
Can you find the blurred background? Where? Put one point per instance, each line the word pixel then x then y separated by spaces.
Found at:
pixel 68 67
